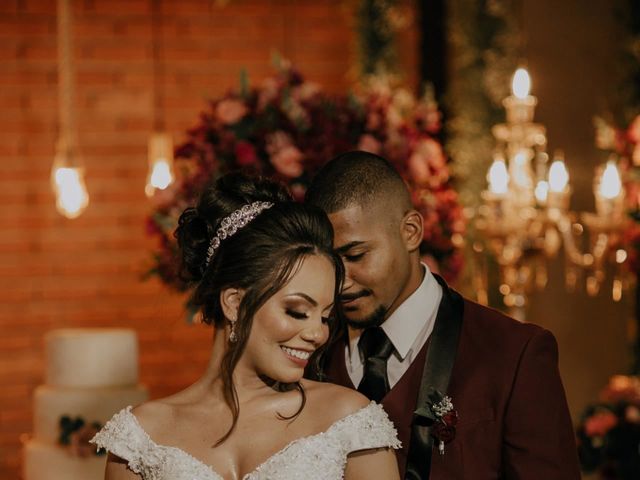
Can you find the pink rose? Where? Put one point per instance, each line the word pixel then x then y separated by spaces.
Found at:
pixel 418 168
pixel 230 111
pixel 600 423
pixel 268 92
pixel 245 154
pixel 305 91
pixel 368 143
pixel 288 161
pixel 634 130
pixel 427 164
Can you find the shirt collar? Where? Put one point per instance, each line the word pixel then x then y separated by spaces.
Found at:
pixel 408 320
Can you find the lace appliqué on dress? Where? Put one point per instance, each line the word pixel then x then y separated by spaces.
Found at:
pixel 321 456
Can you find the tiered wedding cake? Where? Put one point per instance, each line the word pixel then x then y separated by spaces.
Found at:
pixel 92 374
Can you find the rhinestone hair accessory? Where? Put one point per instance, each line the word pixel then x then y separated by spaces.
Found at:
pixel 233 222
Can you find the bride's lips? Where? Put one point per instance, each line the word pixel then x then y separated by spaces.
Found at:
pixel 298 356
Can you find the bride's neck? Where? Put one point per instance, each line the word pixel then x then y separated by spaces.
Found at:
pixel 247 382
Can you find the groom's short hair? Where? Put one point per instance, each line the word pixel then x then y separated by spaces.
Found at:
pixel 356 178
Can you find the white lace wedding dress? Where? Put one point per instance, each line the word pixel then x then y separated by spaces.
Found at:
pixel 322 456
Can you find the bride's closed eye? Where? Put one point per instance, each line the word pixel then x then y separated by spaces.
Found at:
pixel 295 314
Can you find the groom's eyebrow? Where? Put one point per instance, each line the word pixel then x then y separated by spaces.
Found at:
pixel 348 246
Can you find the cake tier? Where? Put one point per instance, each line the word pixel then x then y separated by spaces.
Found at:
pixel 44 461
pixel 97 357
pixel 92 404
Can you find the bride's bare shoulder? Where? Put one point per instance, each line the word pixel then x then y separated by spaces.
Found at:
pixel 156 416
pixel 341 400
pixel 164 410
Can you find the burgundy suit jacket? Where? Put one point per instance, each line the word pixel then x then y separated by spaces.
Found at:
pixel 505 385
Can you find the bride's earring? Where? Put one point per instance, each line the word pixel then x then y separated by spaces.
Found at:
pixel 233 338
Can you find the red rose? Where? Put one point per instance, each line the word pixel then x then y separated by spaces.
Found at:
pixel 445 429
pixel 245 154
pixel 443 432
pixel 450 419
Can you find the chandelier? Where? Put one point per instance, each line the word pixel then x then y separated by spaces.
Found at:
pixel 525 219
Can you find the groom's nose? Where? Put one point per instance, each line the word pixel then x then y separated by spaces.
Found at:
pixel 348 281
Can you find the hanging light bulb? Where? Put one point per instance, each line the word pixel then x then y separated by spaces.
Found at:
pixel 160 151
pixel 160 163
pixel 68 184
pixel 67 174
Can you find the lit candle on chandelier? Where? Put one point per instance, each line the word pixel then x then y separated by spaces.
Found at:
pixel 609 193
pixel 498 178
pixel 559 190
pixel 520 105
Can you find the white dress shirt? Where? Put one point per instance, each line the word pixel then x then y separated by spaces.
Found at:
pixel 408 328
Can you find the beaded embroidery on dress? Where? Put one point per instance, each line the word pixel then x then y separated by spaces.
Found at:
pixel 321 456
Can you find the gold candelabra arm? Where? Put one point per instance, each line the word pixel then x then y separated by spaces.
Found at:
pixel 574 255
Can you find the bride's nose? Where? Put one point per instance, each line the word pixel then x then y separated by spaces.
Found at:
pixel 314 333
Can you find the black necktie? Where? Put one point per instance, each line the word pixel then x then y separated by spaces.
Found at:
pixel 376 348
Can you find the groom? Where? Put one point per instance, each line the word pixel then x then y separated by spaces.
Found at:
pixel 412 340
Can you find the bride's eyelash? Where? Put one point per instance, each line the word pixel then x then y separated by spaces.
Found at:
pixel 296 315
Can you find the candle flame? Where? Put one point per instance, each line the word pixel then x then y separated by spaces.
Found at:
pixel 610 182
pixel 521 84
pixel 558 176
pixel 498 177
pixel 542 191
pixel 71 193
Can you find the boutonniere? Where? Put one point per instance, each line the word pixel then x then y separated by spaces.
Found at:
pixel 442 417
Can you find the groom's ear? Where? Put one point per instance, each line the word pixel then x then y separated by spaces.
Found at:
pixel 411 230
pixel 230 299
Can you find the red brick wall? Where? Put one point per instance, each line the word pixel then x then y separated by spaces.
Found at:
pixel 86 272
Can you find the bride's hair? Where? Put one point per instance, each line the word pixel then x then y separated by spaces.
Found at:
pixel 259 258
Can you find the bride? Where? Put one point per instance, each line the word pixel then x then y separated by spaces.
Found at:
pixel 266 279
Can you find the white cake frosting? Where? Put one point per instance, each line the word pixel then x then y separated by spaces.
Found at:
pixel 91 358
pixel 93 405
pixel 44 461
pixel 92 374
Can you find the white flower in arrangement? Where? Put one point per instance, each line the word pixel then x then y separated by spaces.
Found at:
pixel 443 407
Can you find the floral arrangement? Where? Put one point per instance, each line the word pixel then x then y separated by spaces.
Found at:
pixel 75 434
pixel 287 128
pixel 625 144
pixel 609 432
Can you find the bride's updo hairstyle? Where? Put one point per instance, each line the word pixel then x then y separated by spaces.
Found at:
pixel 259 258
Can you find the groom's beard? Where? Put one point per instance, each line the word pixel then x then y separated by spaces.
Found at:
pixel 374 320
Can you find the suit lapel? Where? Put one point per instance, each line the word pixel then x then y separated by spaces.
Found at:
pixel 436 374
